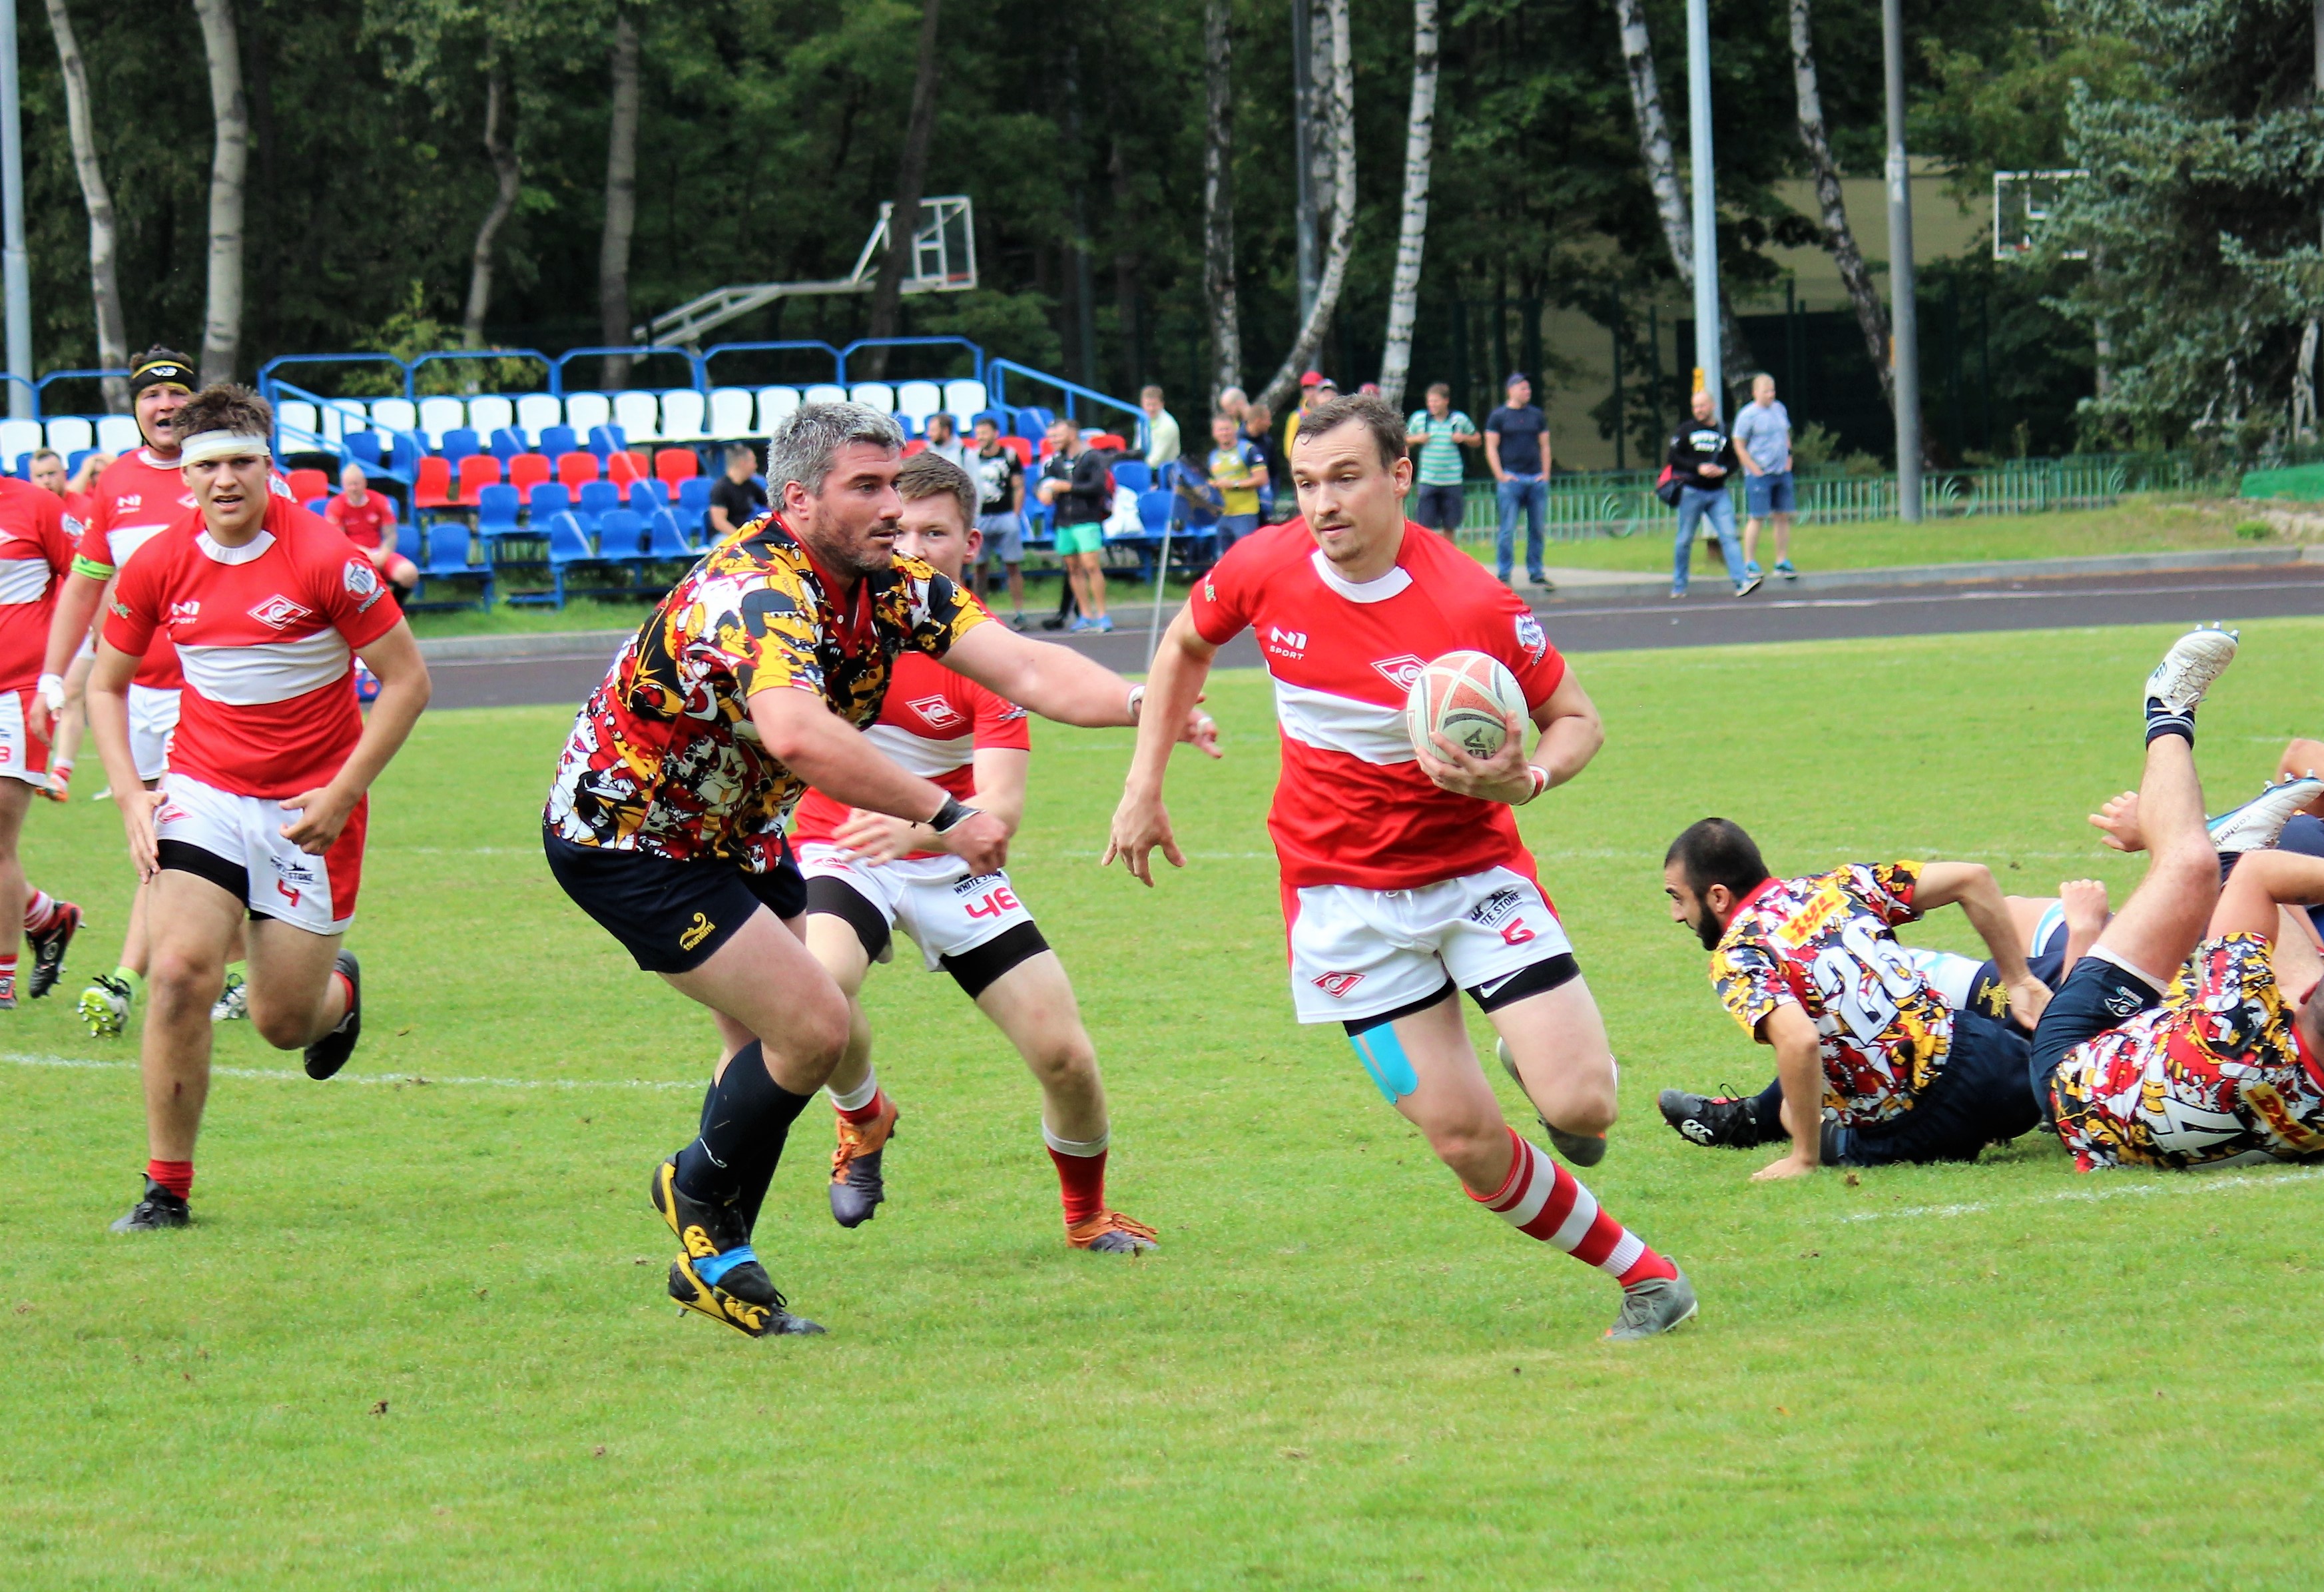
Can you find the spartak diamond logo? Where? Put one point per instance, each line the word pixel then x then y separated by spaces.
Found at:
pixel 1338 985
pixel 280 612
pixel 938 712
pixel 1401 670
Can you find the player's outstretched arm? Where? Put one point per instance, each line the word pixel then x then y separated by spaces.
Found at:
pixel 832 754
pixel 108 696
pixel 78 595
pixel 1971 886
pixel 1061 684
pixel 1141 822
pixel 877 837
pixel 318 815
pixel 1799 1066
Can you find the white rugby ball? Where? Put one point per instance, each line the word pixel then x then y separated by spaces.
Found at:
pixel 1468 698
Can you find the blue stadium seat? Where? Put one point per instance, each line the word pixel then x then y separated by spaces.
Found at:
pixel 407 540
pixel 664 539
pixel 507 443
pixel 403 457
pixel 621 534
pixel 316 505
pixel 569 544
pixel 1033 423
pixel 459 442
pixel 647 496
pixel 1154 508
pixel 362 447
pixel 448 548
pixel 693 506
pixel 496 510
pixel 557 439
pixel 1134 474
pixel 598 499
pixel 73 461
pixel 605 442
pixel 548 498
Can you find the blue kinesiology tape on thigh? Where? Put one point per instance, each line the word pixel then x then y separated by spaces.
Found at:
pixel 1383 1054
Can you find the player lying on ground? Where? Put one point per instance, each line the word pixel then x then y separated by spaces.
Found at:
pixel 2172 1043
pixel 869 874
pixel 262 813
pixel 1404 878
pixel 1872 1064
pixel 35 552
pixel 665 824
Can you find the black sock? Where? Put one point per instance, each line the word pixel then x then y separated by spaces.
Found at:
pixel 2162 722
pixel 1767 1110
pixel 746 1116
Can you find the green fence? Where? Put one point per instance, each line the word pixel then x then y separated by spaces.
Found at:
pixel 1623 503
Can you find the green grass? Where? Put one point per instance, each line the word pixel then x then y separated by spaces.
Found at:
pixel 418 1337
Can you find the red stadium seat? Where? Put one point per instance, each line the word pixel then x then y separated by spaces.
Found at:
pixel 433 488
pixel 527 471
pixel 1022 447
pixel 627 466
pixel 1107 439
pixel 673 465
pixel 917 445
pixel 308 485
pixel 478 471
pixel 576 469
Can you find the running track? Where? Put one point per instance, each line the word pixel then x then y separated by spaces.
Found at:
pixel 1581 623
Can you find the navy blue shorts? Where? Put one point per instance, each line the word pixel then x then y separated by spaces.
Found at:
pixel 1980 1097
pixel 670 916
pixel 2096 996
pixel 2305 835
pixel 1767 493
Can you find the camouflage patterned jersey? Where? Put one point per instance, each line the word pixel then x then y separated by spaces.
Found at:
pixel 1824 944
pixel 2215 1073
pixel 664 759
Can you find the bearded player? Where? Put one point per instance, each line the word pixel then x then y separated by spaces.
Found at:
pixel 753 678
pixel 869 874
pixel 1403 877
pixel 35 551
pixel 262 813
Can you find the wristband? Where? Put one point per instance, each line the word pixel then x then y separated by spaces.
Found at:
pixel 954 813
pixel 52 693
pixel 1137 702
pixel 1540 781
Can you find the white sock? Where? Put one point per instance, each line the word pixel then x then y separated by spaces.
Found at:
pixel 858 1097
pixel 1084 1148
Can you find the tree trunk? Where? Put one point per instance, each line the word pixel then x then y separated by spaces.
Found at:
pixel 1412 232
pixel 1661 174
pixel 229 166
pixel 104 285
pixel 1218 199
pixel 911 175
pixel 1342 94
pixel 1322 174
pixel 1125 273
pixel 508 173
pixel 1871 319
pixel 621 203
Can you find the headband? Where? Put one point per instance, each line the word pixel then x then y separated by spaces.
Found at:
pixel 205 446
pixel 162 371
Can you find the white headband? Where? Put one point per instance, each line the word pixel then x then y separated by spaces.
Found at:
pixel 205 446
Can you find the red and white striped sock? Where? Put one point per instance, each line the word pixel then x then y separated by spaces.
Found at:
pixel 40 912
pixel 1541 1199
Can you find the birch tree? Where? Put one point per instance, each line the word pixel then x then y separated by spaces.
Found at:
pixel 508 178
pixel 912 177
pixel 1871 319
pixel 1218 199
pixel 1341 91
pixel 229 169
pixel 1411 230
pixel 621 200
pixel 103 283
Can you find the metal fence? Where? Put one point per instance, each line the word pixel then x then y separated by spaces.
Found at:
pixel 1612 503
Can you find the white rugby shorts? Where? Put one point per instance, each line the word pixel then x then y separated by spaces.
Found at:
pixel 946 909
pixel 1359 953
pixel 21 757
pixel 237 844
pixel 152 722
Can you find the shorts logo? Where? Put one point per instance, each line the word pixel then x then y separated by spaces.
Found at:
pixel 702 930
pixel 1338 985
pixel 2123 1004
pixel 294 870
pixel 1496 906
pixel 939 713
pixel 280 612
pixel 360 579
pixel 1531 637
pixel 976 882
pixel 1401 670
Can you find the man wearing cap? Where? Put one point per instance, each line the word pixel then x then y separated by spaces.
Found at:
pixel 1517 449
pixel 1314 388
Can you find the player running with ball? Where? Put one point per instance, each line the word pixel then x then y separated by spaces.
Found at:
pixel 1403 876
pixel 868 874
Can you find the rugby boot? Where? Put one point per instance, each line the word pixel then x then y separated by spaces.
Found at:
pixel 2187 670
pixel 1652 1308
pixel 158 1209
pixel 1111 1233
pixel 233 1004
pixel 326 1055
pixel 2253 827
pixel 49 950
pixel 716 1273
pixel 1726 1122
pixel 856 1186
pixel 1581 1149
pixel 104 1006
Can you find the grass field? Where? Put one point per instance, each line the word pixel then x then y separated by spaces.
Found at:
pixel 417 1337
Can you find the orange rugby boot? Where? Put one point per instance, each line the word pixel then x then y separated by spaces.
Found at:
pixel 1111 1233
pixel 856 1187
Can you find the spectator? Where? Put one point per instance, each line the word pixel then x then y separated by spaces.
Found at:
pixel 1763 445
pixel 1238 471
pixel 368 520
pixel 1162 442
pixel 738 498
pixel 1076 484
pixel 1259 431
pixel 943 439
pixel 1000 477
pixel 1701 455
pixel 1440 431
pixel 47 470
pixel 1314 388
pixel 1516 448
pixel 1234 400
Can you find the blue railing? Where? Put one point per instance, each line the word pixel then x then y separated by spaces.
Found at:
pixel 975 351
pixel 635 351
pixel 398 461
pixel 995 391
pixel 411 370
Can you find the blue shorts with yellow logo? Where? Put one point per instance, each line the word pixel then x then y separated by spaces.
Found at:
pixel 670 916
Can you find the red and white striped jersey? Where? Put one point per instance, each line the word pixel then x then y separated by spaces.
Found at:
pixel 265 632
pixel 1351 806
pixel 136 497
pixel 35 551
pixel 932 723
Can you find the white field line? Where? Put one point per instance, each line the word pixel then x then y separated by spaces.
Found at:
pixel 2187 1183
pixel 283 1074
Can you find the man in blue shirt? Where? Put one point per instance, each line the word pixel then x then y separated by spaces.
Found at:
pixel 1763 444
pixel 1700 456
pixel 1516 448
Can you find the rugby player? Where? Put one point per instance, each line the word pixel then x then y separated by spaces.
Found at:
pixel 2171 1044
pixel 1873 1064
pixel 869 874
pixel 1403 875
pixel 35 551
pixel 263 811
pixel 69 721
pixel 751 681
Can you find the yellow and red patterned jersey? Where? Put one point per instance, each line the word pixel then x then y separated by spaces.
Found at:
pixel 2216 1072
pixel 663 757
pixel 1825 944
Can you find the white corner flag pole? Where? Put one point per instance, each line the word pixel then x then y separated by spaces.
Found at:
pixel 1161 585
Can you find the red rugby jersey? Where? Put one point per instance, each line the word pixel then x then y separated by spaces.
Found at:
pixel 35 551
pixel 134 499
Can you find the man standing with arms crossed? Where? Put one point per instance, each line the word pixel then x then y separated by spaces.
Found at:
pixel 1763 443
pixel 1078 486
pixel 1701 454
pixel 263 810
pixel 1403 875
pixel 1000 477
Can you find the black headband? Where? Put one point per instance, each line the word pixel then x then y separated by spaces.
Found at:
pixel 160 370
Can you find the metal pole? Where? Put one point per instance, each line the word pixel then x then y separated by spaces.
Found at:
pixel 1303 106
pixel 1706 202
pixel 15 271
pixel 1621 417
pixel 1161 584
pixel 1904 320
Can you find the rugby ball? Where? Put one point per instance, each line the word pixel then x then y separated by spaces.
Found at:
pixel 1468 699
